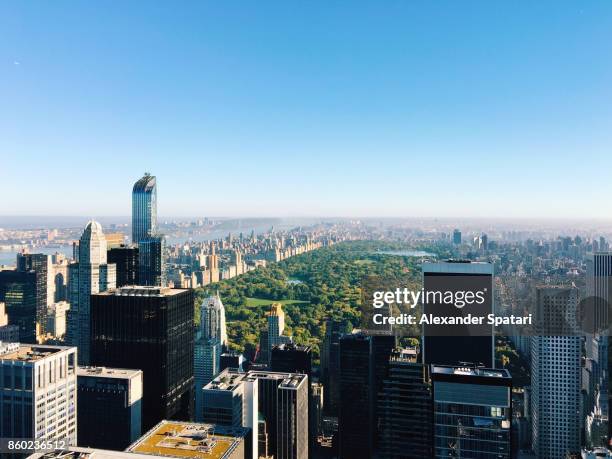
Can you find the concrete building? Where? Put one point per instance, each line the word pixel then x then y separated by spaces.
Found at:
pixel 8 333
pixel 57 315
pixel 89 276
pixel 38 397
pixel 169 439
pixel 555 374
pixel 231 400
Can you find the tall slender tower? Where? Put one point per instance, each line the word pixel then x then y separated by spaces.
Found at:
pixel 212 335
pixel 151 244
pixel 144 208
pixel 90 275
pixel 555 373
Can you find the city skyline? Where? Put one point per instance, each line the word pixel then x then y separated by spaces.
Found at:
pixel 290 110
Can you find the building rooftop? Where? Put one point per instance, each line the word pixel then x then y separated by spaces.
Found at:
pixel 141 290
pixel 27 352
pixel 103 372
pixel 470 371
pixel 189 440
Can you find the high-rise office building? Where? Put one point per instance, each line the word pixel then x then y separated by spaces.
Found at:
pixel 18 291
pixel 57 315
pixel 110 404
pixel 207 365
pixel 125 258
pixel 144 208
pixel 283 405
pixel 330 363
pixel 457 237
pixel 152 329
pixel 555 373
pixel 39 263
pixel 231 360
pixel 364 362
pixel 454 344
pixel 276 327
pixel 597 403
pixel 152 261
pixel 212 319
pixel 405 409
pixel 472 412
pixel 291 358
pixel 38 394
pixel 231 400
pixel 151 245
pixel 90 275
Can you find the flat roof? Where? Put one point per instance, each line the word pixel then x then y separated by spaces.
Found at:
pixel 190 440
pixel 142 290
pixel 103 372
pixel 28 352
pixel 470 371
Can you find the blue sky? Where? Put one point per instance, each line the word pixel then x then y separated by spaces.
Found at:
pixel 331 108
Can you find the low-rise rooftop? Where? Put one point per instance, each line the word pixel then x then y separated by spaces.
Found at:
pixel 103 372
pixel 189 440
pixel 27 352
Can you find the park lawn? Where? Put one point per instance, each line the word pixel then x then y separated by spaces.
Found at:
pixel 251 302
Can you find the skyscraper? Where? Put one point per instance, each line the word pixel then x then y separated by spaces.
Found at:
pixel 283 405
pixel 38 396
pixel 144 208
pixel 451 345
pixel 231 400
pixel 457 237
pixel 472 412
pixel 18 291
pixel 110 404
pixel 276 327
pixel 39 263
pixel 152 261
pixel 330 363
pixel 206 365
pixel 211 338
pixel 364 362
pixel 126 261
pixel 405 409
pixel 212 319
pixel 151 244
pixel 152 329
pixel 89 276
pixel 555 374
pixel 599 289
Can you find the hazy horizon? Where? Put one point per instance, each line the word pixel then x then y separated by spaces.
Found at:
pixel 307 109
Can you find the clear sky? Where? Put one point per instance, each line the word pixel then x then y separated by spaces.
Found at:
pixel 307 108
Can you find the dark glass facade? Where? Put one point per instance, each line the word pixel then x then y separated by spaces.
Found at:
pixel 405 411
pixel 364 361
pixel 472 413
pixel 144 208
pixel 126 260
pixel 107 417
pixel 152 330
pixel 19 291
pixel 330 363
pixel 151 261
pixel 37 262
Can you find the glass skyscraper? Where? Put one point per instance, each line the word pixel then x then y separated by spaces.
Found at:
pixel 144 208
